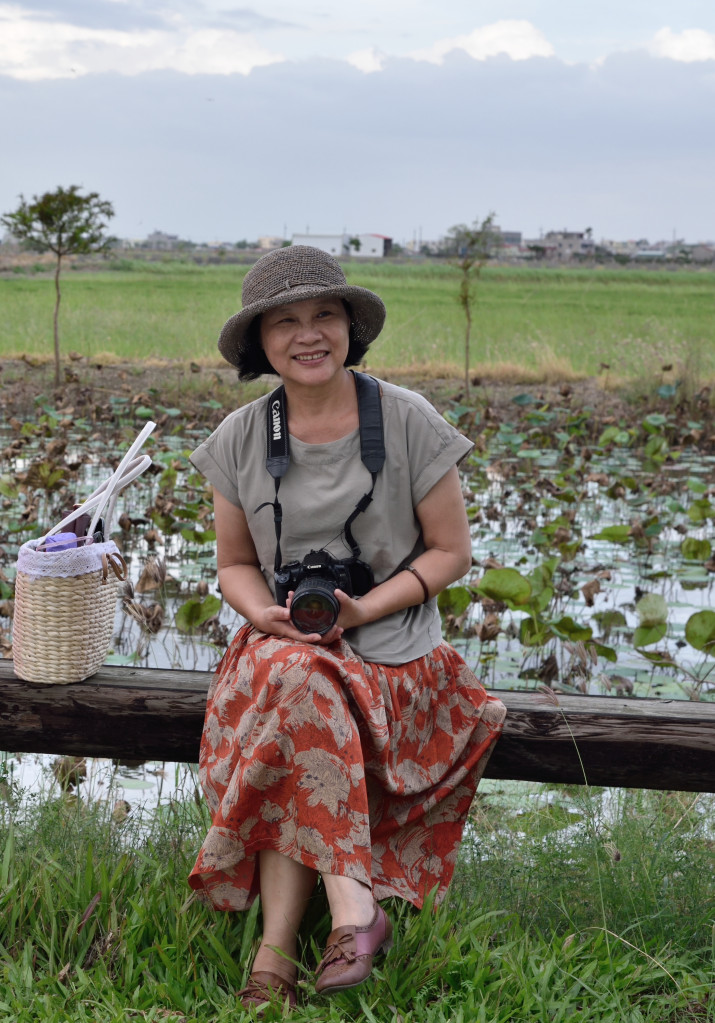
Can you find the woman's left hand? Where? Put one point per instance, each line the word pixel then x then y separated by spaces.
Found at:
pixel 352 613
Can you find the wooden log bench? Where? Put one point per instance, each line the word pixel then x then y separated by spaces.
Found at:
pixel 151 714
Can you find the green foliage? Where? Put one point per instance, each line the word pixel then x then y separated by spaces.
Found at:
pixel 700 631
pixel 556 913
pixel 540 320
pixel 454 600
pixel 63 222
pixel 194 612
pixel 652 610
pixel 694 549
pixel 505 584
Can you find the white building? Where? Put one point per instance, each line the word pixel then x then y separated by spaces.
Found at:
pixel 370 246
pixel 335 244
pixel 363 246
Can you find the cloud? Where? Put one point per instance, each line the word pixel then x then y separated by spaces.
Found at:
pixel 33 50
pixel 368 60
pixel 519 40
pixel 116 14
pixel 690 45
pixel 419 146
pixel 246 19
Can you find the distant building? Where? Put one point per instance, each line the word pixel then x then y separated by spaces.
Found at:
pixel 270 242
pixel 562 245
pixel 702 253
pixel 507 244
pixel 619 248
pixel 365 246
pixel 509 237
pixel 569 244
pixel 335 244
pixel 370 246
pixel 649 255
pixel 159 241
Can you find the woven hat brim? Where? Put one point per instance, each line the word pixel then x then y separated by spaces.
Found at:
pixel 368 315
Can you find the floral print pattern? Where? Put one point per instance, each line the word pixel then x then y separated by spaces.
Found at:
pixel 349 767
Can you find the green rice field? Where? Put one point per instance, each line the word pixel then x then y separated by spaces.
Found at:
pixel 554 322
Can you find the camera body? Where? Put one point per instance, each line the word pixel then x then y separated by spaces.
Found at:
pixel 314 607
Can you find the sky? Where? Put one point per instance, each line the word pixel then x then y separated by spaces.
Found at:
pixel 399 117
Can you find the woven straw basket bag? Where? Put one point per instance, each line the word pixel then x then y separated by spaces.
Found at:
pixel 66 600
pixel 65 604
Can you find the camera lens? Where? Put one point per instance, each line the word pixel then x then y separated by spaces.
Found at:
pixel 314 607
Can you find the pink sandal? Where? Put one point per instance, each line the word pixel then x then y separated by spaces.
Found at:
pixel 348 956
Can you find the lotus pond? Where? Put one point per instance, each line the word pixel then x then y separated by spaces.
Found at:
pixel 592 559
pixel 592 571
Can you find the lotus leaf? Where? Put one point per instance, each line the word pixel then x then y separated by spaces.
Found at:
pixel 652 610
pixel 194 612
pixel 572 630
pixel 700 631
pixel 505 584
pixel 614 534
pixel 454 600
pixel 646 635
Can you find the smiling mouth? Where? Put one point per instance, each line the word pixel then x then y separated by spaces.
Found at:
pixel 313 357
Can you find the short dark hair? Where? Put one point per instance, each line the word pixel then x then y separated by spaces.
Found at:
pixel 252 362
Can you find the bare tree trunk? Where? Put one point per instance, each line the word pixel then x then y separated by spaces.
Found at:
pixel 58 297
pixel 467 338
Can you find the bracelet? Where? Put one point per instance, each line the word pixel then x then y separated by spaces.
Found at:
pixel 411 568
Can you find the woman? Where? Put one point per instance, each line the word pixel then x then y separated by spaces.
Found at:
pixel 352 751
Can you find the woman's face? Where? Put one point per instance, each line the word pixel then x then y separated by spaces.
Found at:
pixel 306 342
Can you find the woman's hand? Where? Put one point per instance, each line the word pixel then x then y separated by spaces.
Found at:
pixel 352 612
pixel 275 621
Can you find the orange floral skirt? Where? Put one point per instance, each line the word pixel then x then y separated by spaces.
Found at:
pixel 353 768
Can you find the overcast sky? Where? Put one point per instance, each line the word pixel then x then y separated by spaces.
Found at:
pixel 401 117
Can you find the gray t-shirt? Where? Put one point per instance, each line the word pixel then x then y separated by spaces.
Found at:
pixel 320 490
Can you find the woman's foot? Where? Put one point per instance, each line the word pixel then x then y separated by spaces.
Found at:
pixel 350 951
pixel 265 988
pixel 270 959
pixel 272 980
pixel 350 901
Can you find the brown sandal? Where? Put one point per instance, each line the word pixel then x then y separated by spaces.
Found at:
pixel 264 989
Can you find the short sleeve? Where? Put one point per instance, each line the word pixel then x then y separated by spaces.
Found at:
pixel 432 445
pixel 217 458
pixel 204 461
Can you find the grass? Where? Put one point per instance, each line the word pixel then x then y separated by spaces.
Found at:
pixel 543 924
pixel 547 321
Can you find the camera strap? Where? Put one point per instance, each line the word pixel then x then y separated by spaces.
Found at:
pixel 372 450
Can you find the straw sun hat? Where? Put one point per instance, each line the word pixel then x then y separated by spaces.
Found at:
pixel 293 274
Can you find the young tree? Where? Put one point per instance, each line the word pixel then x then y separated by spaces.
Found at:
pixel 63 222
pixel 469 249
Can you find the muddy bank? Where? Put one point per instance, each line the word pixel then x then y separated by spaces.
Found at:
pixel 205 393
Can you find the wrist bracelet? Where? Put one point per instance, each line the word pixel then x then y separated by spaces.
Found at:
pixel 416 574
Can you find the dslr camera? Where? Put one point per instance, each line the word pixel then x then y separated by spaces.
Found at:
pixel 314 607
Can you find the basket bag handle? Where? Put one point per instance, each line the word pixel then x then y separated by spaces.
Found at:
pixel 131 466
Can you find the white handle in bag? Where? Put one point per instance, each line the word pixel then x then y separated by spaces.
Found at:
pixel 105 496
